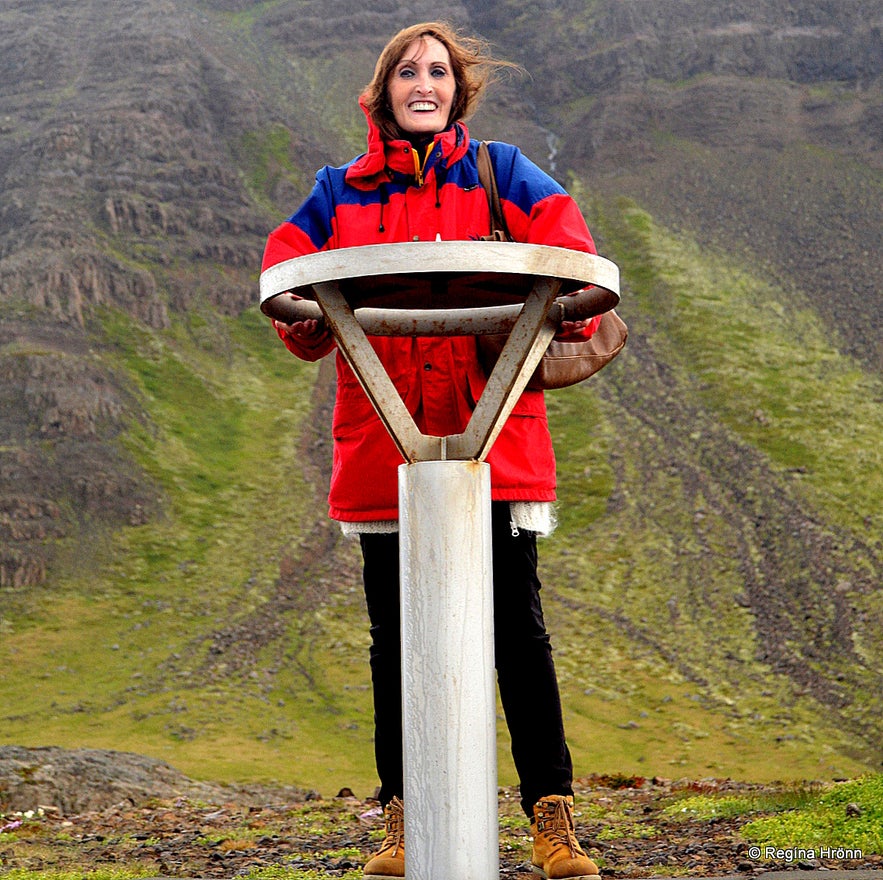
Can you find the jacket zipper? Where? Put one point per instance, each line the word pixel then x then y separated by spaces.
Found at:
pixel 420 164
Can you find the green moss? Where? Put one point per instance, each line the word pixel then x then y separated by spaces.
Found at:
pixel 583 442
pixel 711 806
pixel 267 157
pixel 278 872
pixel 627 831
pixel 848 815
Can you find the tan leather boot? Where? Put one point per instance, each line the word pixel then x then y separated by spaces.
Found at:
pixel 556 851
pixel 389 861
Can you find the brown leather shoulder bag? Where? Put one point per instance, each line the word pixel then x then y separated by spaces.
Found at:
pixel 564 363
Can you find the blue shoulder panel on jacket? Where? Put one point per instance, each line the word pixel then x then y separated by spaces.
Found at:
pixel 519 180
pixel 315 215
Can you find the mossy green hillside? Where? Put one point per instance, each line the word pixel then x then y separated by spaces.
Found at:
pixel 120 648
pixel 656 544
pixel 768 367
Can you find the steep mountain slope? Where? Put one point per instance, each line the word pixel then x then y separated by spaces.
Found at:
pixel 115 194
pixel 170 583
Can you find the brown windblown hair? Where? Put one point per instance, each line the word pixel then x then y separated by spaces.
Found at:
pixel 473 66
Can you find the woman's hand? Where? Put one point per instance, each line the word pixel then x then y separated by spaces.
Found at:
pixel 568 328
pixel 577 331
pixel 310 340
pixel 307 332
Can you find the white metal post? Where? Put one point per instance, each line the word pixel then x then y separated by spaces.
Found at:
pixel 448 689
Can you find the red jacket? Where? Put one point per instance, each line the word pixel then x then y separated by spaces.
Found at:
pixel 391 194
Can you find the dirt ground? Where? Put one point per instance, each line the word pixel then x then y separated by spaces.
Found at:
pixel 622 822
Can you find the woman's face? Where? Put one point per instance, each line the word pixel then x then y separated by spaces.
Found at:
pixel 421 88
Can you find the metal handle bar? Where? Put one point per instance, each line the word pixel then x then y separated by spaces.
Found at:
pixel 468 278
pixel 446 322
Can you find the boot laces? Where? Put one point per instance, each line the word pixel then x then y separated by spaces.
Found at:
pixel 395 825
pixel 562 827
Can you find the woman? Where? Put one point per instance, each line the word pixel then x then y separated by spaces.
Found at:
pixel 418 181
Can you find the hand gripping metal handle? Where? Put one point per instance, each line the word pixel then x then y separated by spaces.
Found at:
pixel 475 321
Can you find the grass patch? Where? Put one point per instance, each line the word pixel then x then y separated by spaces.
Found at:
pixel 278 872
pixel 845 815
pixel 267 158
pixel 848 815
pixel 708 806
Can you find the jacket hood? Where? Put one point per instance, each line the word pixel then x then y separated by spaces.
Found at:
pixel 370 169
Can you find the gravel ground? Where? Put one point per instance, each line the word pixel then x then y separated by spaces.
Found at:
pixel 622 822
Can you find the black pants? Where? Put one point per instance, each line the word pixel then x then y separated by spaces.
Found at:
pixel 523 658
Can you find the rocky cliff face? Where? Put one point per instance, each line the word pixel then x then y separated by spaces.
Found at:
pixel 60 466
pixel 118 190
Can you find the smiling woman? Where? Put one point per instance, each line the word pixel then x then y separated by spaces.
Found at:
pixel 419 181
pixel 468 61
pixel 422 88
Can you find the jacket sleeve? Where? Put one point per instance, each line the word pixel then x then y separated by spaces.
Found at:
pixel 309 230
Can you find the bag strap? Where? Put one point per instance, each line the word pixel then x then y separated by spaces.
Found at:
pixel 488 180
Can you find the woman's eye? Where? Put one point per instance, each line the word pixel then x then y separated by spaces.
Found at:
pixel 406 73
pixel 439 72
